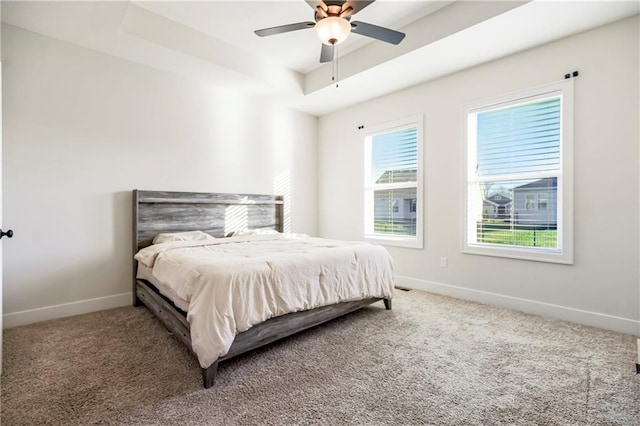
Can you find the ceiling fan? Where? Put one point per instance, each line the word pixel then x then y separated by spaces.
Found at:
pixel 333 25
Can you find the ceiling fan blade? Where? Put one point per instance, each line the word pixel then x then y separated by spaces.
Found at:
pixel 356 6
pixel 327 53
pixel 379 33
pixel 284 28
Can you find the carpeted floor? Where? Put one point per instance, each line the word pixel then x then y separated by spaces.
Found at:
pixel 431 360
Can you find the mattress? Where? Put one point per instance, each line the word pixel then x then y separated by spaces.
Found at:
pixel 232 284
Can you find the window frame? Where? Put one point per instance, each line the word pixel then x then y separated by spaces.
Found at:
pixel 565 219
pixel 369 188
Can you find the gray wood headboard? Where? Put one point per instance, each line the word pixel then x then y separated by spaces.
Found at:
pixel 217 214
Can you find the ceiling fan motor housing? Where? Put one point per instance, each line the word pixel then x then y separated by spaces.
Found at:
pixel 333 9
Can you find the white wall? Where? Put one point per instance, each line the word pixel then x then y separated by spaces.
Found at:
pixel 82 129
pixel 0 201
pixel 601 288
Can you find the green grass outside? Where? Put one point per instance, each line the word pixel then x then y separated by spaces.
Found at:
pixel 380 227
pixel 512 237
pixel 520 237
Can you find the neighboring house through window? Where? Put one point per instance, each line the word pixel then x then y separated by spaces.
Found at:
pixel 518 191
pixel 393 183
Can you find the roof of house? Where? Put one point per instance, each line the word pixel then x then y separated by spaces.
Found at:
pixel 391 176
pixel 545 183
pixel 498 199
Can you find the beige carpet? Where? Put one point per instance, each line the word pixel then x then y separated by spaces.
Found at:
pixel 432 360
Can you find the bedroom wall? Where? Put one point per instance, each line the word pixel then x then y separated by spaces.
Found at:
pixel 82 129
pixel 601 288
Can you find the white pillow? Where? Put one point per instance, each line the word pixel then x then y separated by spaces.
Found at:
pixel 182 236
pixel 245 232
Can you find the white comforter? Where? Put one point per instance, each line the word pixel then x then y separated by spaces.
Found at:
pixel 232 284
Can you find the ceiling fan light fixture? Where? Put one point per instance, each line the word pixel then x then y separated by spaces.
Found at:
pixel 333 30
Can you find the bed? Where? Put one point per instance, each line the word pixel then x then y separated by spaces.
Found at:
pixel 182 306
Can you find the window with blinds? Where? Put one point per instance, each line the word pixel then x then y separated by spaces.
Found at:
pixel 518 188
pixel 393 175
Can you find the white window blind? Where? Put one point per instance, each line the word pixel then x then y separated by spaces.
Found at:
pixel 520 139
pixel 516 192
pixel 392 182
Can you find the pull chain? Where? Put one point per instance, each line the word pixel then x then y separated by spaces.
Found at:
pixel 335 64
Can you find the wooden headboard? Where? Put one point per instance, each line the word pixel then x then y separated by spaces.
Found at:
pixel 217 214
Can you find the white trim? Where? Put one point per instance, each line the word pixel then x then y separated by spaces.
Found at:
pixel 565 313
pixel 30 316
pixel 515 97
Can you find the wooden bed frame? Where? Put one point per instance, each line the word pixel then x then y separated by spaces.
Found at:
pixel 217 214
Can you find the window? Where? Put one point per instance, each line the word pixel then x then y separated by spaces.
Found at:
pixel 393 183
pixel 543 201
pixel 519 152
pixel 530 203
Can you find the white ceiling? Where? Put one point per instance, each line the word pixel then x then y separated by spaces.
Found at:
pixel 214 40
pixel 235 23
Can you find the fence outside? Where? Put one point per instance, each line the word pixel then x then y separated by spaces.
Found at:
pixel 518 235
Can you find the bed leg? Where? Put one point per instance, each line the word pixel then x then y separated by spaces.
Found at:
pixel 209 375
pixel 137 301
pixel 387 304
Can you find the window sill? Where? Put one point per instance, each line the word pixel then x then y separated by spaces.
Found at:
pixel 521 253
pixel 395 241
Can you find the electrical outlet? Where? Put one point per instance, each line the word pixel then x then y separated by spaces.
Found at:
pixel 444 262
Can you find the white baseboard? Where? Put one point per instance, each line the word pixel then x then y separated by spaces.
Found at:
pixel 594 319
pixel 30 316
